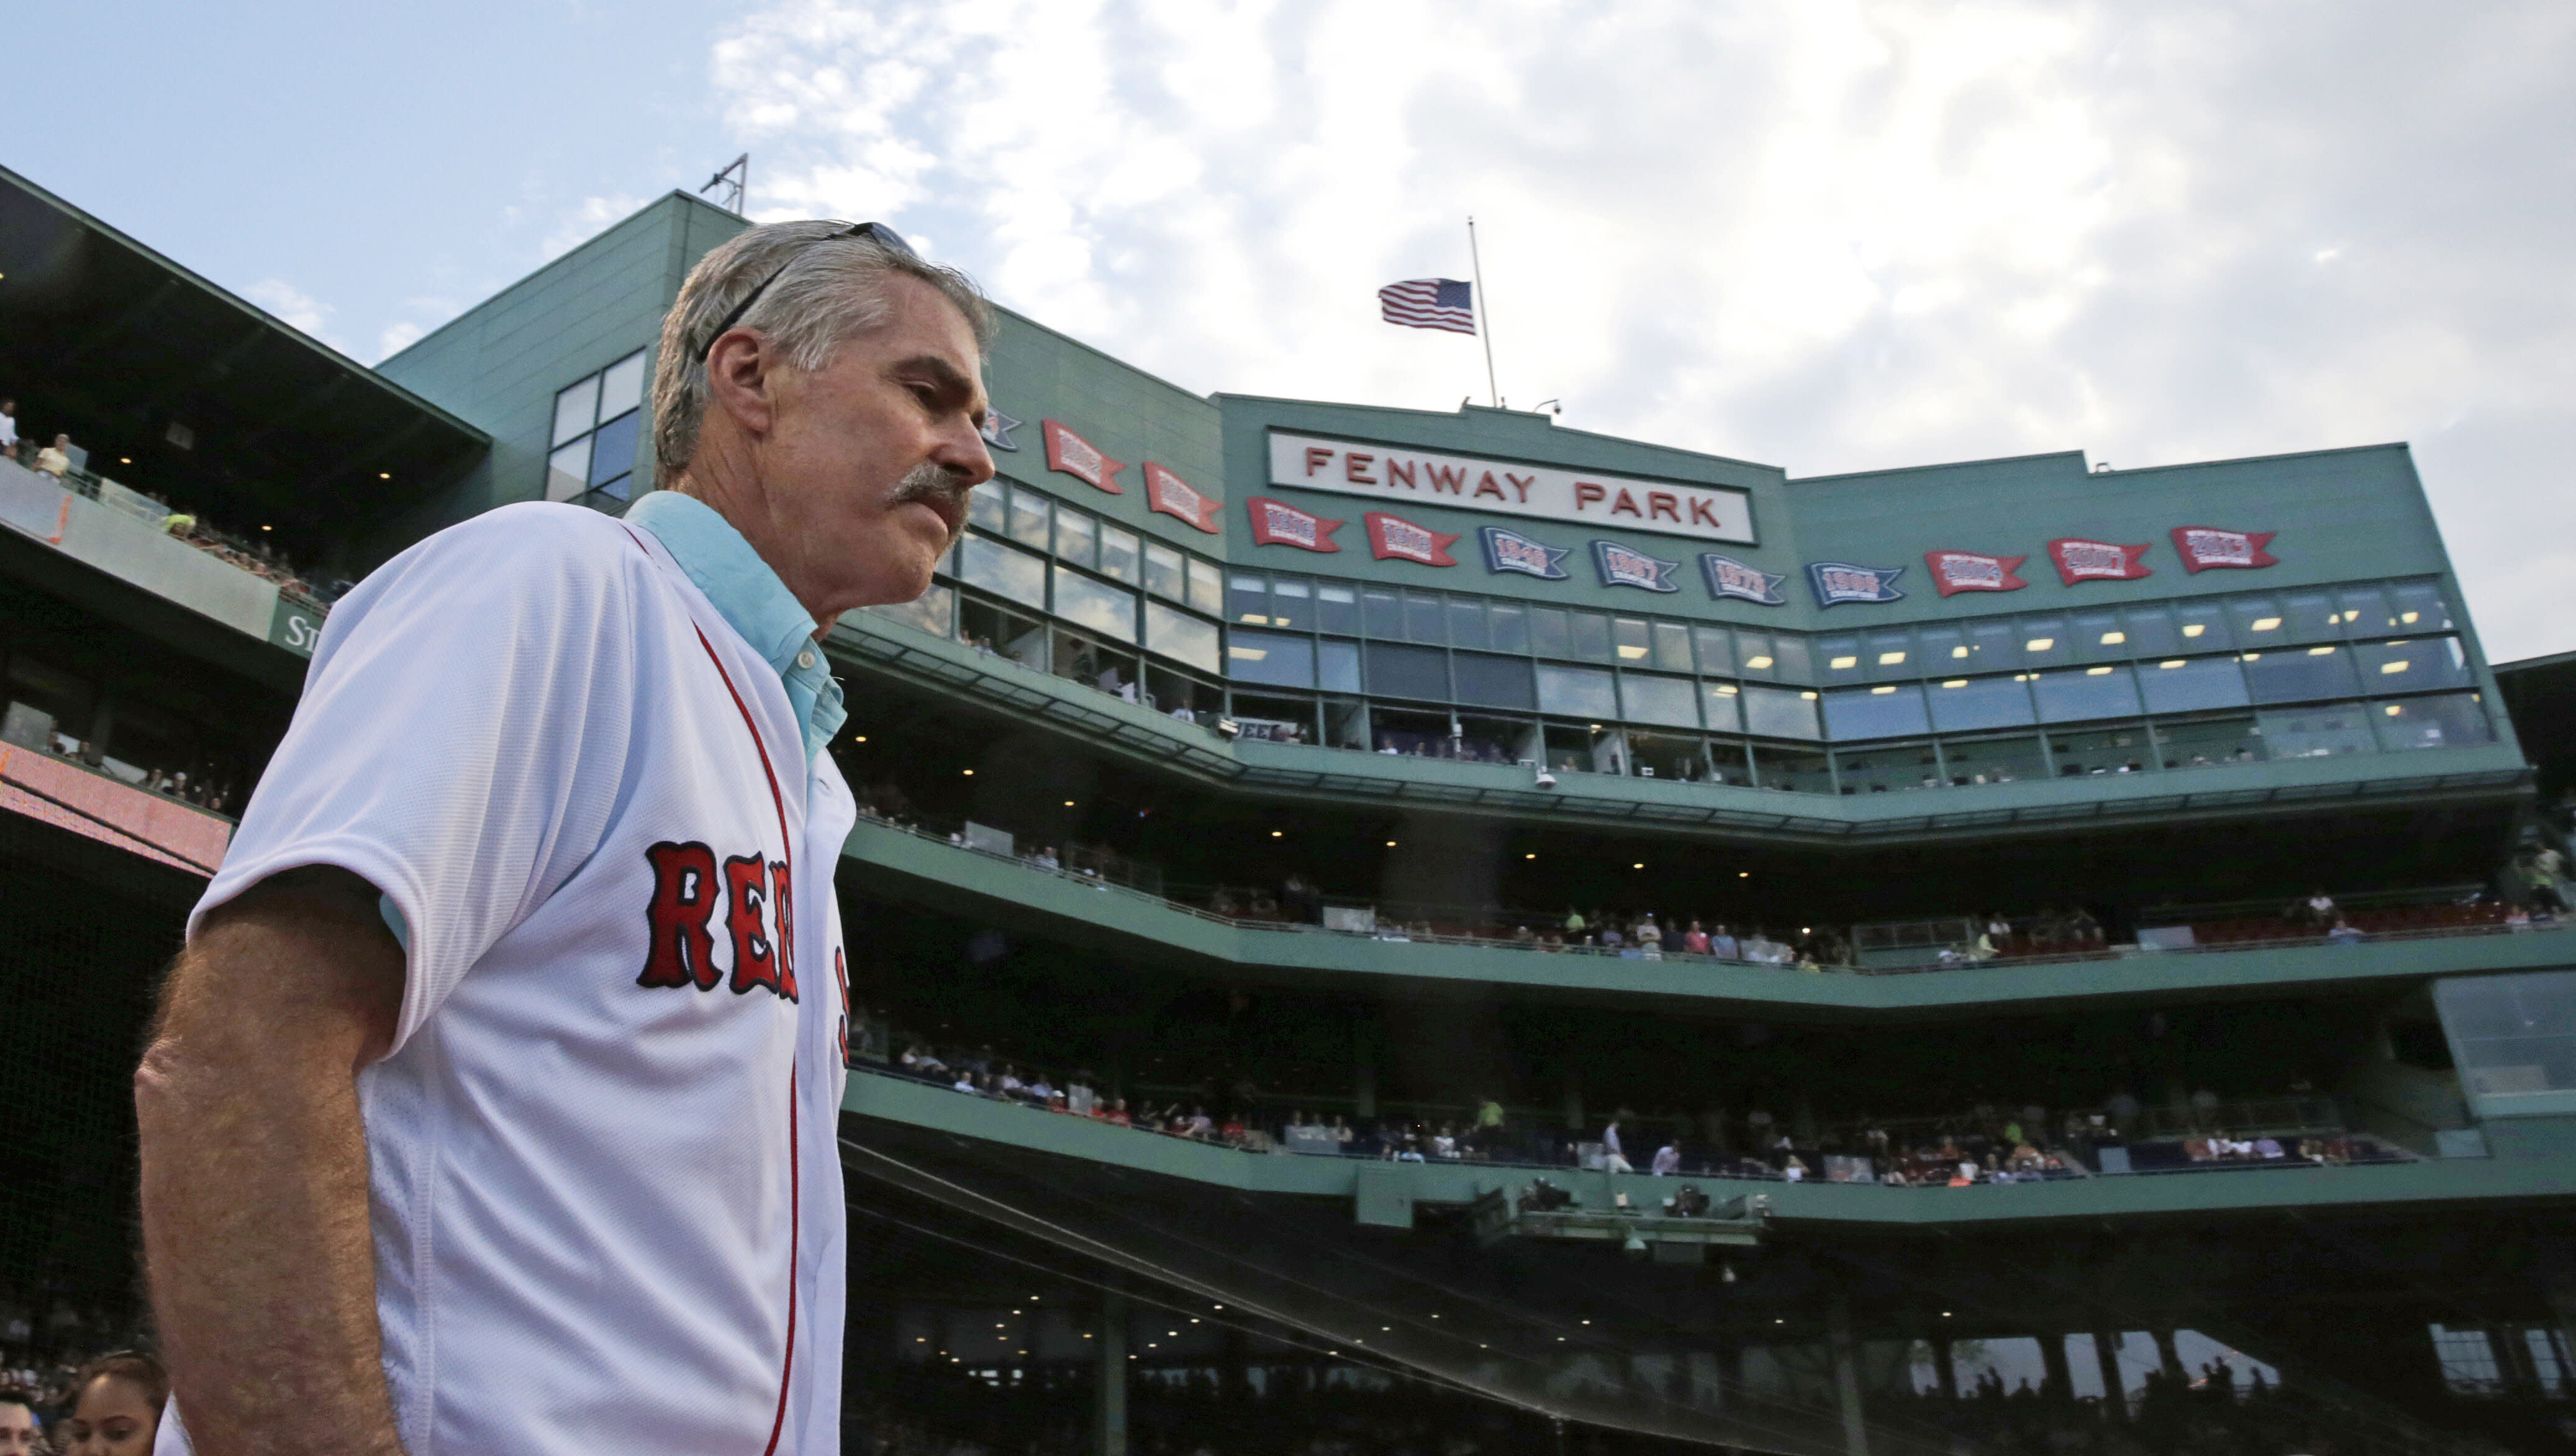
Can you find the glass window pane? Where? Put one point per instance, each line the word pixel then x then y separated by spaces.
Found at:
pixel 1779 712
pixel 1838 659
pixel 1182 637
pixel 1382 612
pixel 1881 712
pixel 2326 731
pixel 1992 760
pixel 1591 636
pixel 1422 618
pixel 612 449
pixel 1207 586
pixel 1890 656
pixel 621 386
pixel 1273 658
pixel 1118 554
pixel 1510 626
pixel 1467 623
pixel 1577 692
pixel 1628 636
pixel 2203 625
pixel 1887 768
pixel 1494 682
pixel 2311 616
pixel 568 471
pixel 2294 673
pixel 1337 609
pixel 1993 646
pixel 934 611
pixel 2099 637
pixel 1650 698
pixel 2365 611
pixel 2420 606
pixel 1105 609
pixel 1965 704
pixel 1799 771
pixel 2045 641
pixel 1003 571
pixel 1162 570
pixel 2516 1034
pixel 1940 652
pixel 2073 694
pixel 1408 672
pixel 576 409
pixel 1247 598
pixel 2449 720
pixel 1672 647
pixel 1716 647
pixel 984 507
pixel 1337 666
pixel 1758 655
pixel 1724 705
pixel 2153 632
pixel 1548 633
pixel 2192 684
pixel 2124 749
pixel 2413 663
pixel 2257 621
pixel 2205 742
pixel 1289 599
pixel 1073 537
pixel 622 488
pixel 1029 518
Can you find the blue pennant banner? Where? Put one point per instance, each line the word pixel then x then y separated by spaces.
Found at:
pixel 1512 551
pixel 1728 577
pixel 1626 566
pixel 1837 582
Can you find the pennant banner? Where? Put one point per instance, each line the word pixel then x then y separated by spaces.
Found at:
pixel 1624 566
pixel 997 430
pixel 1397 539
pixel 2097 561
pixel 2204 547
pixel 1728 577
pixel 1512 551
pixel 1837 582
pixel 1277 523
pixel 1958 571
pixel 1174 496
pixel 1081 459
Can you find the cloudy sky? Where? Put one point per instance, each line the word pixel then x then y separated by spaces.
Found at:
pixel 1824 236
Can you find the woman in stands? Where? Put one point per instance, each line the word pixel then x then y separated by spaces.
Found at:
pixel 116 1403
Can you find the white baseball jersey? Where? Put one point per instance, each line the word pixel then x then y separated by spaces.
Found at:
pixel 606 1186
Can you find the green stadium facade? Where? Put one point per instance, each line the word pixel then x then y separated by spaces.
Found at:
pixel 1251 754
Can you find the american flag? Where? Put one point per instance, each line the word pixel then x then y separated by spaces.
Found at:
pixel 1429 303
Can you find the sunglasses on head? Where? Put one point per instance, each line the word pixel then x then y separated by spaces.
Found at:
pixel 875 232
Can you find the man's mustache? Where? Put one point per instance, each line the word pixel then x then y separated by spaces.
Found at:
pixel 932 483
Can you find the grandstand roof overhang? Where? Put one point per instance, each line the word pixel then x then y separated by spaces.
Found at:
pixel 216 403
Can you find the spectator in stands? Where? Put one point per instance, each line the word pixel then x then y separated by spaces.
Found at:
pixel 8 429
pixel 1341 1130
pixel 1722 944
pixel 20 1434
pixel 2539 871
pixel 2318 910
pixel 1489 1127
pixel 1613 1160
pixel 1668 1160
pixel 116 1403
pixel 1695 940
pixel 2343 933
pixel 1574 925
pixel 1650 938
pixel 55 458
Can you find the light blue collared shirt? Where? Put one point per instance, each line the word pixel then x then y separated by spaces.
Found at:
pixel 752 600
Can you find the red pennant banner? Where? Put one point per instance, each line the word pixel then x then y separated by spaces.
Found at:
pixel 2205 547
pixel 1174 496
pixel 1958 571
pixel 1081 459
pixel 1277 523
pixel 2097 561
pixel 1395 538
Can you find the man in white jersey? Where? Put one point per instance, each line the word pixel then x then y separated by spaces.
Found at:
pixel 491 1107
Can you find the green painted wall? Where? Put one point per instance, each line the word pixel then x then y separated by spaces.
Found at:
pixel 1036 374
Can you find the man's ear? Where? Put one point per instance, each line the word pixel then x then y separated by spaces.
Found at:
pixel 742 380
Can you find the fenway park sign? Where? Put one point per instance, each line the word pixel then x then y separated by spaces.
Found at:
pixel 1389 473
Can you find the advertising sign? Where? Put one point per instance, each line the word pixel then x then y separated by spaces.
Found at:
pixel 1624 566
pixel 1958 571
pixel 1511 488
pixel 2204 547
pixel 1174 496
pixel 1277 523
pixel 1838 582
pixel 2079 560
pixel 1512 551
pixel 1728 577
pixel 1393 538
pixel 1079 458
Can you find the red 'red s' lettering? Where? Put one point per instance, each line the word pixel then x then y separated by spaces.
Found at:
pixel 679 949
pixel 782 893
pixel 755 960
pixel 841 973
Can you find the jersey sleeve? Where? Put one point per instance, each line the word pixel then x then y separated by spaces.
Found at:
pixel 462 737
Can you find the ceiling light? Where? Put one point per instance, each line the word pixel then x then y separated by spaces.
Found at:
pixel 1841 663
pixel 2194 629
pixel 1881 692
pixel 860 738
pixel 1390 844
pixel 2097 672
pixel 124 459
pixel 2114 639
pixel 1641 864
pixel 1274 834
pixel 2396 710
pixel 2170 662
pixel 2266 624
pixel 1744 874
pixel 2039 644
pixel 1068 803
pixel 2389 667
pixel 1890 659
pixel 1956 682
pixel 1529 856
pixel 1757 663
pixel 970 773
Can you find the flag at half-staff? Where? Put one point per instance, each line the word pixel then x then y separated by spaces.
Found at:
pixel 1430 303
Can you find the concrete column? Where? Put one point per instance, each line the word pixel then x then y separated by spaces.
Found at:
pixel 2059 1383
pixel 2169 1357
pixel 1943 1369
pixel 1109 1383
pixel 1846 1355
pixel 2106 1356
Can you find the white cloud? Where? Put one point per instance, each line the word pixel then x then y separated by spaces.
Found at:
pixel 294 307
pixel 396 338
pixel 1833 236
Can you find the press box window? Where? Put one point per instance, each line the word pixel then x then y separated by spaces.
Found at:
pixel 598 424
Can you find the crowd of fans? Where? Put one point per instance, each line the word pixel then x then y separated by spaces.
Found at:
pixel 204 789
pixel 108 1406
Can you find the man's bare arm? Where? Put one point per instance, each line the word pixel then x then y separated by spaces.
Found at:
pixel 255 1221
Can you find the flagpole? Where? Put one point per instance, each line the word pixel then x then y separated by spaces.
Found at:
pixel 1484 324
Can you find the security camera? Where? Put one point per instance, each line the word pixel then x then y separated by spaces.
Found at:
pixel 1546 780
